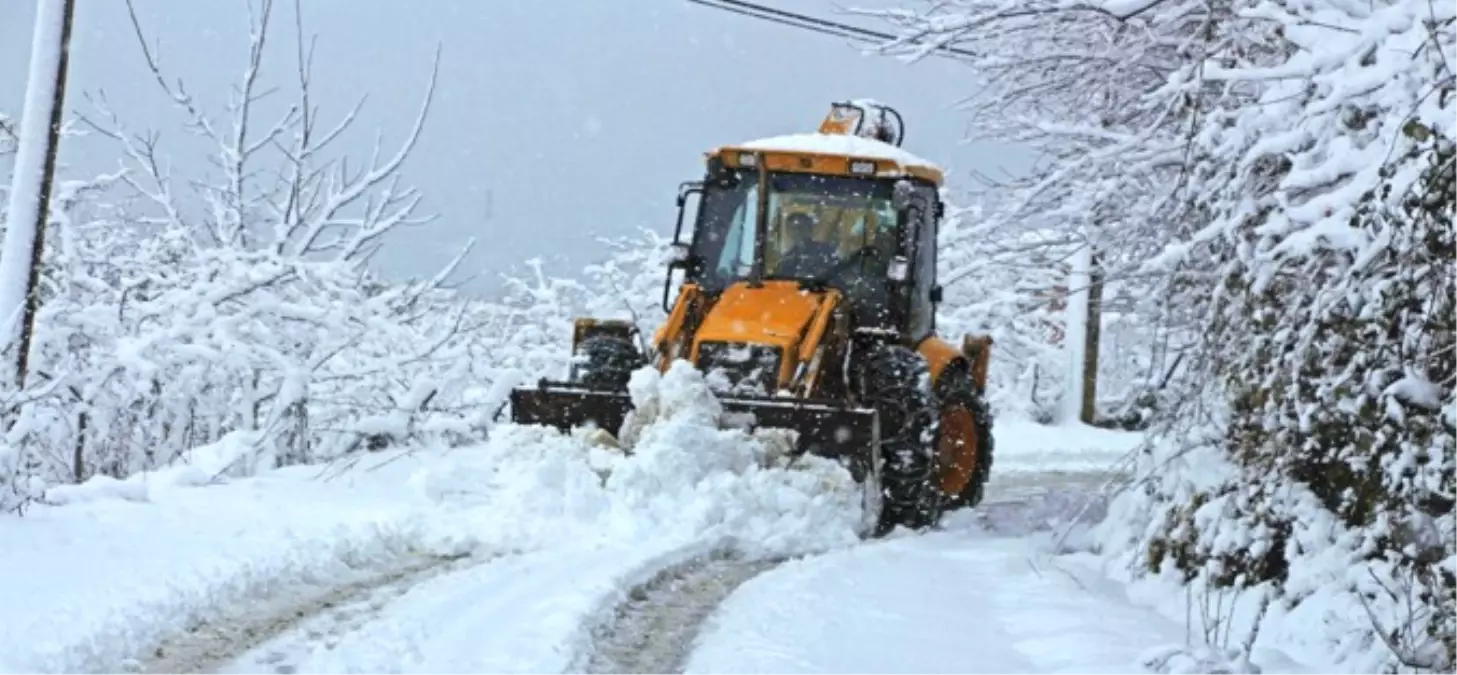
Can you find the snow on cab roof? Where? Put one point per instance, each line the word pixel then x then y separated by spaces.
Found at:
pixel 837 144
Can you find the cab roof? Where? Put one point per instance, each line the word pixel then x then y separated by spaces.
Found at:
pixel 839 154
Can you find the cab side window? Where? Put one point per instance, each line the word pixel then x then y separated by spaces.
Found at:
pixel 923 267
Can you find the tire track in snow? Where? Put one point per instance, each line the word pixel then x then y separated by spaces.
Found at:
pixel 1021 503
pixel 218 642
pixel 653 629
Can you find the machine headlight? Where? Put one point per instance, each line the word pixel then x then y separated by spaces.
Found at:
pixel 737 368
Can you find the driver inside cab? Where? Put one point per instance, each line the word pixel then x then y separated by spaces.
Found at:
pixel 809 257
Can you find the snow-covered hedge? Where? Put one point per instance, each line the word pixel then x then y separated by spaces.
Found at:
pixel 1278 177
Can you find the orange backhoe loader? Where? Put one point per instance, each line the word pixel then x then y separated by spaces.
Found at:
pixel 809 292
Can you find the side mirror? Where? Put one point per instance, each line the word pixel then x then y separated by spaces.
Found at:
pixel 899 269
pixel 679 258
pixel 936 294
pixel 901 196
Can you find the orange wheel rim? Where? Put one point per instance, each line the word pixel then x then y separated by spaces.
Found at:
pixel 956 449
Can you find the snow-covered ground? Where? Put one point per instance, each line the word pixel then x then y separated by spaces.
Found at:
pixel 513 556
pixel 963 601
pixel 988 594
pixel 558 526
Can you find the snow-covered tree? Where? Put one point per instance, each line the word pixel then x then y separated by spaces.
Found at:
pixel 1327 261
pixel 1086 87
pixel 1007 282
pixel 238 303
pixel 1279 176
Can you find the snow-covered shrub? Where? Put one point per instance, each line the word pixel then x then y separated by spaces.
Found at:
pixel 1331 328
pixel 628 284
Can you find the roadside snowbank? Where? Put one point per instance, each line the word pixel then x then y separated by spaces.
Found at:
pixel 124 563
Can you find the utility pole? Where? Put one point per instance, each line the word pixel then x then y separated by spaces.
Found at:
pixel 1093 330
pixel 1075 339
pixel 35 168
pixel 1084 312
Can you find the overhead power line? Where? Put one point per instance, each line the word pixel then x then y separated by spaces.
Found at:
pixel 813 23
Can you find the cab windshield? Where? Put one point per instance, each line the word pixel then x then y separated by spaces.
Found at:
pixel 831 229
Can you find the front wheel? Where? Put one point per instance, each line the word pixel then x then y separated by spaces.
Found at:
pixel 896 382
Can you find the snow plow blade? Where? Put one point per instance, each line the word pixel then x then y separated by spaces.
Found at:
pixel 825 428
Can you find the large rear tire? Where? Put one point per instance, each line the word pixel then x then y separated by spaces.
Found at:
pixel 607 362
pixel 964 436
pixel 896 382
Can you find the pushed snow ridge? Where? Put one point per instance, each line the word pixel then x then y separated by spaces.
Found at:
pixel 679 476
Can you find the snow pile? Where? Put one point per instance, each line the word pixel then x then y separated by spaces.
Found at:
pixel 688 475
pixel 528 488
pixel 682 477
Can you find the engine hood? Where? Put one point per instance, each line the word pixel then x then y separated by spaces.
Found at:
pixel 775 314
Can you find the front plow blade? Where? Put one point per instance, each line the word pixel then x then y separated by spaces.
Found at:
pixel 565 406
pixel 825 428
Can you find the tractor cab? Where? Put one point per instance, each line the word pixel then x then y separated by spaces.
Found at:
pixel 841 209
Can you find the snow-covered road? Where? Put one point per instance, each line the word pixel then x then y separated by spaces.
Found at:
pixel 532 612
pixel 890 606
pixel 984 595
pixel 541 553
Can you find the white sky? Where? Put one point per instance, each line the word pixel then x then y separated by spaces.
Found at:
pixel 556 121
